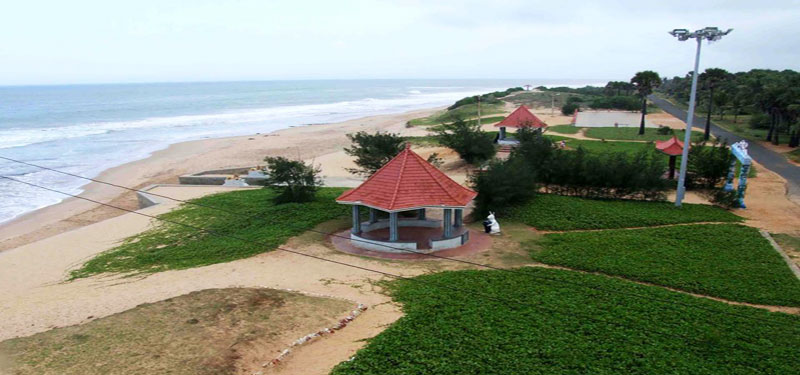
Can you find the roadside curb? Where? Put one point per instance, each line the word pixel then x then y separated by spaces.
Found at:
pixel 789 261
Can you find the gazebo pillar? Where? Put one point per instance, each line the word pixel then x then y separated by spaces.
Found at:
pixel 447 223
pixel 373 215
pixel 421 214
pixel 356 220
pixel 672 159
pixel 502 133
pixel 459 221
pixel 393 234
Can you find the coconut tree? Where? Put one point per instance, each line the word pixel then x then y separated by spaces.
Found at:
pixel 712 78
pixel 645 82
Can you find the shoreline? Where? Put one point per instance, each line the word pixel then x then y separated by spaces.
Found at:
pixel 305 142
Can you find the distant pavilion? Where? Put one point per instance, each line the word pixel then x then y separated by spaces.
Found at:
pixel 408 183
pixel 522 117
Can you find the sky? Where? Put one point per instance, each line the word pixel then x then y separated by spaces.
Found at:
pixel 85 41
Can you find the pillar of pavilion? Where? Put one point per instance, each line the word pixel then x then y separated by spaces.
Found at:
pixel 522 117
pixel 672 147
pixel 408 184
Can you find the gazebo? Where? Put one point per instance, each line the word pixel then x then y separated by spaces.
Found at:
pixel 522 117
pixel 672 147
pixel 408 184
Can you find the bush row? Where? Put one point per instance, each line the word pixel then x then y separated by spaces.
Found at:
pixel 491 97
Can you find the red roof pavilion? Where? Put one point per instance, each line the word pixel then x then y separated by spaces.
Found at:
pixel 408 182
pixel 671 147
pixel 522 117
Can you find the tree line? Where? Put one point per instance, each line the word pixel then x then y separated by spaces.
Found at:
pixel 771 98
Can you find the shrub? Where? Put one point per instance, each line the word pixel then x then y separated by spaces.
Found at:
pixel 627 103
pixel 294 180
pixel 665 130
pixel 569 109
pixel 586 174
pixel 505 183
pixel 708 166
pixel 574 99
pixel 467 139
pixel 489 98
pixel 372 151
pixel 435 160
pixel 724 198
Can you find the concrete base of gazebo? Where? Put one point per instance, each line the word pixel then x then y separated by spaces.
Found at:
pixel 417 234
pixel 478 241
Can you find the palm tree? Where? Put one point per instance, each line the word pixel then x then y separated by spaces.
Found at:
pixel 711 78
pixel 645 82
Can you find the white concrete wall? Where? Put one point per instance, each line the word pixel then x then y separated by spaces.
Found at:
pixel 623 119
pixel 383 246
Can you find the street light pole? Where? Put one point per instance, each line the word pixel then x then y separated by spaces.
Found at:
pixel 710 34
pixel 687 137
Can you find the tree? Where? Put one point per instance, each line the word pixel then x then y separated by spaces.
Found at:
pixel 645 82
pixel 372 151
pixel 711 78
pixel 569 108
pixel 498 190
pixel 294 180
pixel 708 165
pixel 471 143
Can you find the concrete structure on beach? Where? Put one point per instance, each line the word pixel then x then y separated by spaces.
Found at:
pixel 410 185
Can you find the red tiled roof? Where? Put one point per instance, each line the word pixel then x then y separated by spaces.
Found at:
pixel 521 118
pixel 671 146
pixel 406 182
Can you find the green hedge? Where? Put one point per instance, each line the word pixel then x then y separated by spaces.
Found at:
pixel 556 212
pixel 541 327
pixel 725 260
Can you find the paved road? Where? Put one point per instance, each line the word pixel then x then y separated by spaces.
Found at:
pixel 768 158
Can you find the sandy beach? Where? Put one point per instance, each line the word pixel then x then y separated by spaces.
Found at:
pixel 301 142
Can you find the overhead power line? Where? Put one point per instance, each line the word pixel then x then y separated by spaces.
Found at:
pixel 669 303
pixel 507 302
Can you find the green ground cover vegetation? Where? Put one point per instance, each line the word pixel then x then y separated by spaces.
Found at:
pixel 262 223
pixel 558 212
pixel 533 326
pixel 729 261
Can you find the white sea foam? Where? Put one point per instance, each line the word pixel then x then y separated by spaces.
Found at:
pixel 88 148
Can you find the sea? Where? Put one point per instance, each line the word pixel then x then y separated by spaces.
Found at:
pixel 85 129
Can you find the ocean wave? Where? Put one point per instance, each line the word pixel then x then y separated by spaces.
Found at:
pixel 286 115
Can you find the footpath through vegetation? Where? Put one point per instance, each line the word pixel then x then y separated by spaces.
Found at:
pixel 537 320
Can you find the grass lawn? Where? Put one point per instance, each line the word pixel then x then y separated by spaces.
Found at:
pixel 207 332
pixel 724 260
pixel 604 146
pixel 632 134
pixel 171 246
pixel 547 328
pixel 564 129
pixel 556 212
